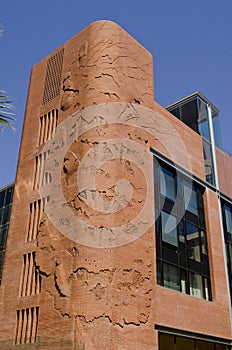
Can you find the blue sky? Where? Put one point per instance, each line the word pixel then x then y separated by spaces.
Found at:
pixel 191 43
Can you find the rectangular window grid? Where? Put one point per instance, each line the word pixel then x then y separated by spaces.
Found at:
pixel 227 226
pixel 26 325
pixel 174 342
pixel 181 242
pixel 6 196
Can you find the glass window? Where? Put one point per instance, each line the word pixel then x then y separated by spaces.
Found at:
pixel 171 277
pixel 229 258
pixel 228 219
pixel 169 228
pixel 207 288
pixel 204 345
pixel 227 226
pixel 183 281
pixel 2 197
pixel 175 111
pixel 1 215
pixel 181 231
pixel 171 342
pixel 159 273
pixel 221 347
pixel 208 160
pixel 204 242
pixel 203 123
pixel 167 184
pixel 189 114
pixel 3 235
pixel 195 283
pixel 166 342
pixel 217 128
pixel 184 343
pixel 190 198
pixel 6 214
pixel 193 242
pixel 181 242
pixel 9 193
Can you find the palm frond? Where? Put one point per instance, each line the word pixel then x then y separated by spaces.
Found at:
pixel 6 107
pixel 6 110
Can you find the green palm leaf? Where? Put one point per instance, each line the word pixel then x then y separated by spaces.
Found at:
pixel 6 109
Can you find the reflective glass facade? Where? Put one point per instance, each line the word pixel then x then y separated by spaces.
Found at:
pixel 227 226
pixel 194 112
pixel 6 195
pixel 181 242
pixel 175 342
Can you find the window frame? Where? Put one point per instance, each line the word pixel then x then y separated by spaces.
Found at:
pixel 176 255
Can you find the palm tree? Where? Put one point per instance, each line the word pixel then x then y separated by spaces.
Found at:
pixel 5 106
pixel 5 110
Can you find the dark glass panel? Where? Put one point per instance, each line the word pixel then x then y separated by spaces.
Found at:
pixel 190 198
pixel 166 342
pixel 3 235
pixel 2 197
pixel 195 285
pixel 155 172
pixel 171 277
pixel 175 111
pixel 203 242
pixel 6 214
pixel 205 265
pixel 202 219
pixel 228 218
pixel 203 124
pixel 183 281
pixel 191 218
pixel 2 255
pixel 200 200
pixel 167 184
pixel 182 258
pixel 181 232
pixel 229 254
pixel 193 242
pixel 169 228
pixel 195 266
pixel 208 159
pixel 184 343
pixel 1 215
pixel 221 347
pixel 207 289
pixel 170 256
pixel 189 114
pixel 157 221
pixel 159 273
pixel 217 129
pixel 168 205
pixel 204 345
pixel 9 193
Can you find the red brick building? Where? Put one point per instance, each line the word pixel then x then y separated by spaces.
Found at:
pixel 120 231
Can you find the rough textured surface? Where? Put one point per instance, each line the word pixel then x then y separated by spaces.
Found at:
pixel 101 298
pixel 105 66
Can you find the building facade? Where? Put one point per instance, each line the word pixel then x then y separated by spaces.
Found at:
pixel 120 233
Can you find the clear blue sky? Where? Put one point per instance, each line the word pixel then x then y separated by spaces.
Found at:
pixel 191 42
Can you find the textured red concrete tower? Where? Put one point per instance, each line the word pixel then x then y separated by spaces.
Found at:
pixel 80 266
